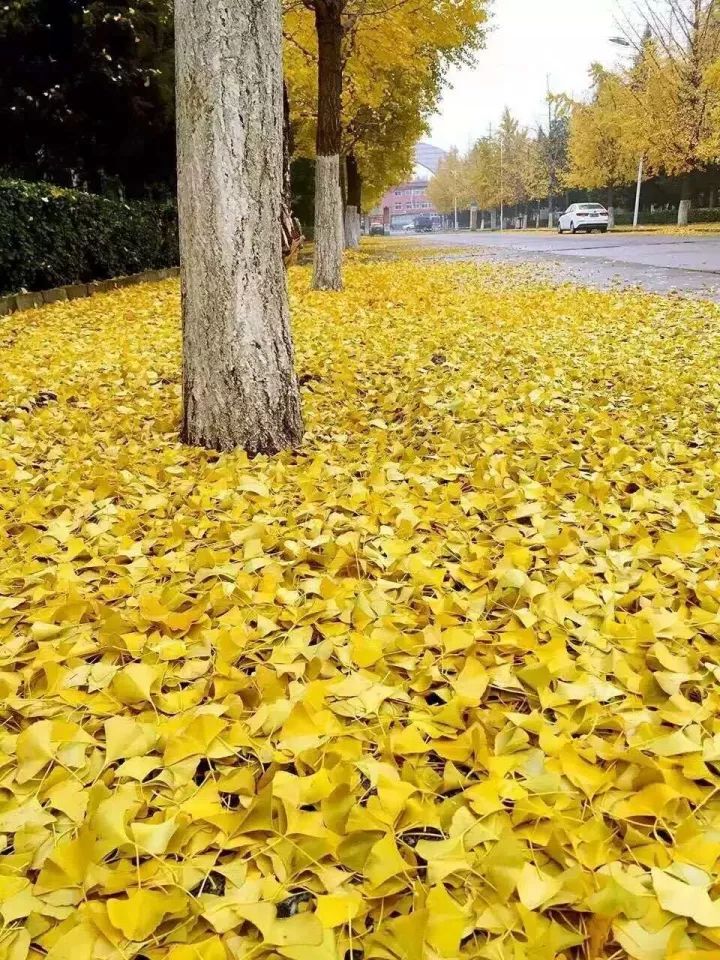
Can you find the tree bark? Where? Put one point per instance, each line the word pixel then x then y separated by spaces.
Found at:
pixel 611 208
pixel 354 202
pixel 292 235
pixel 239 384
pixel 685 202
pixel 343 182
pixel 327 274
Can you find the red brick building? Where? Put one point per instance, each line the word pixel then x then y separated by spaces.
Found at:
pixel 407 201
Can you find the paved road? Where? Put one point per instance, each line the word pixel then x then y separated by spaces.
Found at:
pixel 656 262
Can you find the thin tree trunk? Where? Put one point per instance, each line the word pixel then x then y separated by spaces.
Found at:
pixel 328 200
pixel 684 208
pixel 354 202
pixel 292 236
pixel 239 384
pixel 343 182
pixel 611 208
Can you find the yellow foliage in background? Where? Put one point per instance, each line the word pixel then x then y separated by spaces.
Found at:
pixel 443 683
pixel 600 152
pixel 396 57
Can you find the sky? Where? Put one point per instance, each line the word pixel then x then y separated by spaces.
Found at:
pixel 527 40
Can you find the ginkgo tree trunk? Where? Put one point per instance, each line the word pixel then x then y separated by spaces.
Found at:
pixel 354 202
pixel 329 227
pixel 239 383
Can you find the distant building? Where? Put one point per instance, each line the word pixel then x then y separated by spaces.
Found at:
pixel 405 202
pixel 428 156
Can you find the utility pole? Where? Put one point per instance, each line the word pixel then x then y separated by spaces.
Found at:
pixel 551 170
pixel 622 42
pixel 493 211
pixel 502 187
pixel 636 217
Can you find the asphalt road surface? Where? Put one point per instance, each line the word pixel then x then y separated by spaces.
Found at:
pixel 659 263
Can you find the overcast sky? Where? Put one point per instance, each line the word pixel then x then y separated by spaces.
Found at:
pixel 527 40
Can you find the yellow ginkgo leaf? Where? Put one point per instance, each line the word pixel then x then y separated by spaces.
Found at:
pixel 686 900
pixel 536 887
pixel 384 862
pixel 446 922
pixel 140 913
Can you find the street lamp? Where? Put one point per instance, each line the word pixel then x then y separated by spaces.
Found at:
pixel 502 186
pixel 622 42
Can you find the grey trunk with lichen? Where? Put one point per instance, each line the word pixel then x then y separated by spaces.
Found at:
pixel 329 227
pixel 352 228
pixel 239 383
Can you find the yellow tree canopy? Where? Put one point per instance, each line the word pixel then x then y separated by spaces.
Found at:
pixel 673 108
pixel 505 167
pixel 601 150
pixel 396 55
pixel 450 185
pixel 535 171
pixel 710 145
pixel 515 148
pixel 483 172
pixel 383 141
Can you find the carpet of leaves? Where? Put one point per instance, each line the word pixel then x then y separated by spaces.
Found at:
pixel 444 683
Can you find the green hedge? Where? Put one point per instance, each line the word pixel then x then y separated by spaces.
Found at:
pixel 664 217
pixel 50 237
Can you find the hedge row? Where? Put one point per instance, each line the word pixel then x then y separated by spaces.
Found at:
pixel 665 217
pixel 50 237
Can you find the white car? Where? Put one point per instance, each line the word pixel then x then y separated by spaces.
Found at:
pixel 584 216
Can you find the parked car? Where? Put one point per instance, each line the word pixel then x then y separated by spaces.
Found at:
pixel 424 225
pixel 377 230
pixel 584 216
pixel 409 227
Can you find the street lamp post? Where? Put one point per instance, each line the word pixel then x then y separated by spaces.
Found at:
pixel 502 191
pixel 636 217
pixel 622 42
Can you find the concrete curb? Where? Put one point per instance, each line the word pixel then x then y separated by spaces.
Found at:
pixel 16 302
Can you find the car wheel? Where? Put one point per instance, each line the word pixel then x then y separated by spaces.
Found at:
pixel 603 229
pixel 573 228
pixel 560 229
